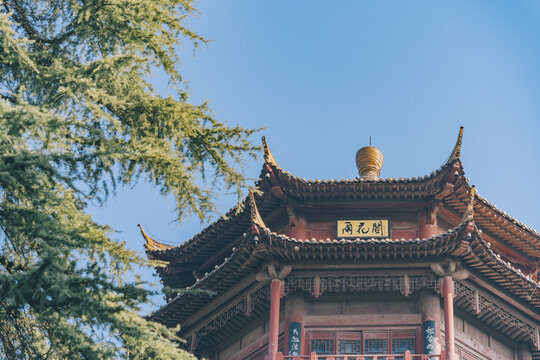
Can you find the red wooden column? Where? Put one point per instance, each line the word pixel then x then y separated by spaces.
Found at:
pixel 273 331
pixel 275 274
pixel 430 306
pixel 295 309
pixel 449 270
pixel 448 296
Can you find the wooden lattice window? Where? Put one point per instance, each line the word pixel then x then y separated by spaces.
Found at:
pixel 323 346
pixel 375 343
pixel 362 343
pixel 322 343
pixel 401 342
pixel 348 343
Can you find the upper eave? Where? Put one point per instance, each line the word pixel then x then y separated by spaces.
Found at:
pixel 297 188
pixel 392 188
pixel 447 184
pixel 230 226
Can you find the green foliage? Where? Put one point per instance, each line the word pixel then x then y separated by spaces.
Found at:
pixel 77 117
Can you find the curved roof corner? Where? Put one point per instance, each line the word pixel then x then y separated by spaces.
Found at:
pixel 255 215
pixel 151 244
pixel 268 157
pixel 456 152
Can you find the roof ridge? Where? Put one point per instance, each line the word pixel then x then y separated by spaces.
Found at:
pixel 270 160
pixel 364 180
pixel 454 156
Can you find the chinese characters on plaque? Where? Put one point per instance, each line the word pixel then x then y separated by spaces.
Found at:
pixel 363 228
pixel 430 340
pixel 295 336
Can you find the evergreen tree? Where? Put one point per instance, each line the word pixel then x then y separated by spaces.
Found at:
pixel 77 117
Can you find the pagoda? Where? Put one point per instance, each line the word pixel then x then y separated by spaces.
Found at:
pixel 365 269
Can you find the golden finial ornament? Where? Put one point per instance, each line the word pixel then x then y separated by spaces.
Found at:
pixel 369 161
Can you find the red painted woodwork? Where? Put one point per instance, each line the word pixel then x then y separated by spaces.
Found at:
pixel 355 319
pixel 275 294
pixel 448 296
pixel 427 224
pixel 406 356
pixel 431 310
pixel 294 312
pixel 331 277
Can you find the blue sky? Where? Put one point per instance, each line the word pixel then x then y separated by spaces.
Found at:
pixel 321 77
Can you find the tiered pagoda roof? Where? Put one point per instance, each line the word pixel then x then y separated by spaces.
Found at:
pixel 485 239
pixel 465 241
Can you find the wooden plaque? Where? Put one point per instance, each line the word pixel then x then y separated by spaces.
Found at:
pixel 367 228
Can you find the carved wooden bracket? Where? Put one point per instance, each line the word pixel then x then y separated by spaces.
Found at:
pixel 272 271
pixel 450 268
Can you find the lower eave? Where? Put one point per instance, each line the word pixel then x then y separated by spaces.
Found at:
pixel 262 245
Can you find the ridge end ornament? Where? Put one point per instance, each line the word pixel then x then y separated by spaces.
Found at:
pixel 151 244
pixel 456 152
pixel 468 216
pixel 268 157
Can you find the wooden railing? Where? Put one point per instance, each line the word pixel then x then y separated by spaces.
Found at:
pixel 406 356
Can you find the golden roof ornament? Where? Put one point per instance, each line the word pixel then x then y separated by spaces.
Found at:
pixel 268 157
pixel 456 152
pixel 255 216
pixel 469 210
pixel 151 244
pixel 369 161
